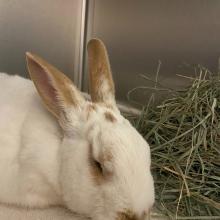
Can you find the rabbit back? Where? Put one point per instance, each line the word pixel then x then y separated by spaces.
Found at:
pixel 29 143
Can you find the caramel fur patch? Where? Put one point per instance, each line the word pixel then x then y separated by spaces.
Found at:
pixel 99 171
pixel 127 215
pixel 110 117
pixel 101 82
pixel 108 156
pixel 58 84
pixel 95 171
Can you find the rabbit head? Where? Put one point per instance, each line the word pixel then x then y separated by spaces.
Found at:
pixel 104 162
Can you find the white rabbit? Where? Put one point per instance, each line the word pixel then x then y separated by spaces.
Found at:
pixel 80 154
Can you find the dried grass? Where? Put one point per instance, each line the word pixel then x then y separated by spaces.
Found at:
pixel 184 135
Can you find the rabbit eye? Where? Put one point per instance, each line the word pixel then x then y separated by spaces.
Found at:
pixel 98 166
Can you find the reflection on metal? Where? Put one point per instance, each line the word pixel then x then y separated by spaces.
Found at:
pixel 139 33
pixel 50 28
pixel 79 75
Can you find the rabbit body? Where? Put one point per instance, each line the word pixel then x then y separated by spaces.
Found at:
pixel 59 149
pixel 29 145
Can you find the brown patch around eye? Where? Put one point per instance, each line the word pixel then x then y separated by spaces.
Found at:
pixel 127 215
pixel 99 172
pixel 110 117
pixel 108 156
pixel 95 168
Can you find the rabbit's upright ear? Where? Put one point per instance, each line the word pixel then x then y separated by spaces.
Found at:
pixel 101 83
pixel 56 90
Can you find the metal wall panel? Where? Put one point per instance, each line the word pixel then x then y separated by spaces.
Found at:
pixel 139 33
pixel 50 28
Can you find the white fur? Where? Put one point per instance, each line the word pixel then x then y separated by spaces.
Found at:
pixel 41 165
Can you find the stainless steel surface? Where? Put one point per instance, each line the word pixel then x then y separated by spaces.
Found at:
pixel 50 28
pixel 82 43
pixel 139 33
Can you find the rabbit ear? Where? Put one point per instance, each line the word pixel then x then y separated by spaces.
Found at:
pixel 101 83
pixel 56 90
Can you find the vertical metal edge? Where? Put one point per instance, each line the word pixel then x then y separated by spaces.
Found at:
pixel 79 75
pixel 87 23
pixel 88 35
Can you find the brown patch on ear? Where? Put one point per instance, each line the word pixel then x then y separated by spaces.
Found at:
pixel 110 117
pixel 127 215
pixel 56 90
pixel 101 83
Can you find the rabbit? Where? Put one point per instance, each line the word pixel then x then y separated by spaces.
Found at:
pixel 59 149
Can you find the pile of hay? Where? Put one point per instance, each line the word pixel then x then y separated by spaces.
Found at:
pixel 184 135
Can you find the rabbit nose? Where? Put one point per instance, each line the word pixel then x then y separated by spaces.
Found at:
pixel 126 216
